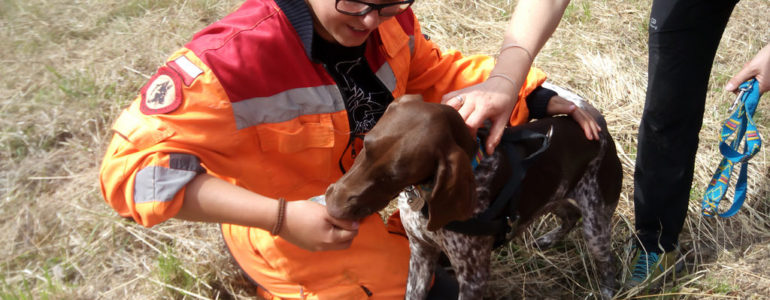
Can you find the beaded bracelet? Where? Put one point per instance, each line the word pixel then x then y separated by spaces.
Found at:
pixel 280 218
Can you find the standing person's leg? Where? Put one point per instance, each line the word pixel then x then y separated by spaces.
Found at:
pixel 683 38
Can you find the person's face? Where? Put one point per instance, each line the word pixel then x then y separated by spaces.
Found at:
pixel 346 30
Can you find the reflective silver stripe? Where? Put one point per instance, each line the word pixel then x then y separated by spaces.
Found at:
pixel 188 67
pixel 579 101
pixel 159 184
pixel 287 105
pixel 566 94
pixel 386 75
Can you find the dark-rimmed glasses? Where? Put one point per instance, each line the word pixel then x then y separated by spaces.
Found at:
pixel 360 8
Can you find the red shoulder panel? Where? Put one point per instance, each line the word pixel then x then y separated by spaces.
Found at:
pixel 255 52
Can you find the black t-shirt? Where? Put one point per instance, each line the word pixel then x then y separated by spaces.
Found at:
pixel 365 96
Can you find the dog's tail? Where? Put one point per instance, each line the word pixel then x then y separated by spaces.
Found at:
pixel 580 102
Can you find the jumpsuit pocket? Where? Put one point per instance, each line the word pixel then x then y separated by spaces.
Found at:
pixel 302 147
pixel 305 132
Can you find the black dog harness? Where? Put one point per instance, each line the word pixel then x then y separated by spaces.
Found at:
pixel 500 218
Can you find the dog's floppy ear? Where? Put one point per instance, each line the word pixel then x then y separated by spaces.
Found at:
pixel 453 196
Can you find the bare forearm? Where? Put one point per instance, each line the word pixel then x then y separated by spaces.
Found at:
pixel 210 199
pixel 532 24
pixel 305 223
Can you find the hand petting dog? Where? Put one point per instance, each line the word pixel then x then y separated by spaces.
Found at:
pixel 489 100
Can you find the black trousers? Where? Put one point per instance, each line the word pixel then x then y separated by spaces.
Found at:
pixel 683 39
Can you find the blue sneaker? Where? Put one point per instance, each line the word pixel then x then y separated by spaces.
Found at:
pixel 654 268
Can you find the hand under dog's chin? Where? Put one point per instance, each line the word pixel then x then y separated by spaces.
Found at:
pixel 353 212
pixel 346 212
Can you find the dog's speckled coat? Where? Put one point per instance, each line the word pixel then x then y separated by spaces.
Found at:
pixel 574 177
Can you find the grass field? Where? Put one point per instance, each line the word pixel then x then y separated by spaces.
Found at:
pixel 69 67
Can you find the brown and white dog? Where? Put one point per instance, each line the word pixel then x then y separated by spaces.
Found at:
pixel 416 142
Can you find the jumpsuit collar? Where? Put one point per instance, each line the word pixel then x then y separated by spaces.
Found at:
pixel 301 19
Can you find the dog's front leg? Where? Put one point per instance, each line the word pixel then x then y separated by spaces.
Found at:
pixel 470 257
pixel 597 232
pixel 422 262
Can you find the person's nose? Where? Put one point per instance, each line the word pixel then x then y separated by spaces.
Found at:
pixel 371 20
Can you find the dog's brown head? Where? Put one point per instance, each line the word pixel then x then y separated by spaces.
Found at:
pixel 413 142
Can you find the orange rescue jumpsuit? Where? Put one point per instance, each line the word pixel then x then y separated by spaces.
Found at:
pixel 244 102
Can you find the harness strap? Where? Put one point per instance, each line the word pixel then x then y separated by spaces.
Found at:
pixel 495 220
pixel 741 123
pixel 352 147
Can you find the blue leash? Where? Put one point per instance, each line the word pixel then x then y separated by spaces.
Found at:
pixel 742 124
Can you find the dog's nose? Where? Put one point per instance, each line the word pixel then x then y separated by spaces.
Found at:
pixel 342 209
pixel 329 190
pixel 333 205
pixel 347 209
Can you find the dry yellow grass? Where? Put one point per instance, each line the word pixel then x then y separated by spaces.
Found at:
pixel 70 66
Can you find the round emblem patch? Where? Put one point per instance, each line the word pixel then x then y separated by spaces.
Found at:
pixel 162 94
